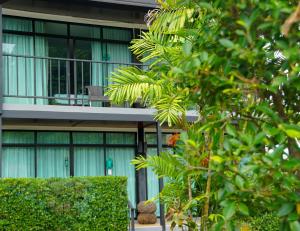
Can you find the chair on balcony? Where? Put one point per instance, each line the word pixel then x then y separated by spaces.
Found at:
pixel 96 94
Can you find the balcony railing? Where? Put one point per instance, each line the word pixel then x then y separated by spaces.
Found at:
pixel 57 81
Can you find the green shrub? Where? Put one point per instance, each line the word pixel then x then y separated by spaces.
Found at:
pixel 265 222
pixel 79 203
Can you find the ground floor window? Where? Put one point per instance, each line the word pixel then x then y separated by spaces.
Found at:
pixel 152 180
pixel 62 154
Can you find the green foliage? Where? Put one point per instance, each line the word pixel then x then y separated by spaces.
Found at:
pixel 265 222
pixel 230 61
pixel 78 203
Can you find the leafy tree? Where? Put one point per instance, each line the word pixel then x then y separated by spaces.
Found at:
pixel 236 64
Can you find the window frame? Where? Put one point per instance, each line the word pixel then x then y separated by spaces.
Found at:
pixel 71 145
pixel 68 36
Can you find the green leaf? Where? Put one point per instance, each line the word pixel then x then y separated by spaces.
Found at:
pixel 292 130
pixel 231 130
pixel 258 139
pixel 239 181
pixel 205 5
pixel 279 81
pixel 277 152
pixel 226 43
pixel 292 164
pixel 293 217
pixel 295 226
pixel 204 56
pixel 229 210
pixel 243 208
pixel 217 158
pixel 187 47
pixel 285 209
pixel 268 111
pixel 235 142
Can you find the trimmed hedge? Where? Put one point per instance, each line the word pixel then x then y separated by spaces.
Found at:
pixel 78 203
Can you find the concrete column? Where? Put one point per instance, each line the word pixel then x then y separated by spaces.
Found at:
pixel 142 173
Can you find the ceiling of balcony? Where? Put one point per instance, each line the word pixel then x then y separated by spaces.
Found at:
pixel 144 3
pixel 129 12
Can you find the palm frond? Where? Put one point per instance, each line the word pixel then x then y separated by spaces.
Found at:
pixel 151 46
pixel 165 165
pixel 170 109
pixel 169 19
pixel 132 84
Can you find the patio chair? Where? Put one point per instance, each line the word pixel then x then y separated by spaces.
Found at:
pixel 96 93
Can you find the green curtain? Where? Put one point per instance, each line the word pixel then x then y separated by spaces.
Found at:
pixel 97 68
pixel 121 158
pixel 53 137
pixel 20 137
pixel 120 138
pixel 117 34
pixel 53 162
pixel 87 138
pixel 110 52
pixel 118 54
pixel 41 50
pixel 21 70
pixel 17 161
pixel 88 161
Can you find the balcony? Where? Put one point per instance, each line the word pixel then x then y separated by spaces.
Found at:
pixel 58 81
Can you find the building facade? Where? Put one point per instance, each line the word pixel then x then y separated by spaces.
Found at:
pixel 57 57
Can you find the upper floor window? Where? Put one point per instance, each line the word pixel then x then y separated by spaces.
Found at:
pixel 51 28
pixel 47 61
pixel 17 24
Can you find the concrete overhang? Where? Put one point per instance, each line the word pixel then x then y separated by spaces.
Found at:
pixel 54 112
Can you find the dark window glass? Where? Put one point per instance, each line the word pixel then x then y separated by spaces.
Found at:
pixel 17 24
pixel 151 138
pixel 57 48
pixel 83 50
pixel 53 138
pixel 120 138
pixel 51 28
pixel 85 31
pixel 117 34
pixel 87 138
pixel 16 137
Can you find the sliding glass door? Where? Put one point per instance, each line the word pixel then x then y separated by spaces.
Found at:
pixel 121 159
pixel 106 56
pixel 53 162
pixel 53 154
pixel 89 161
pixel 88 154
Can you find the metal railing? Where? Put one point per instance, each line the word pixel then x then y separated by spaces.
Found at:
pixel 131 214
pixel 55 81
